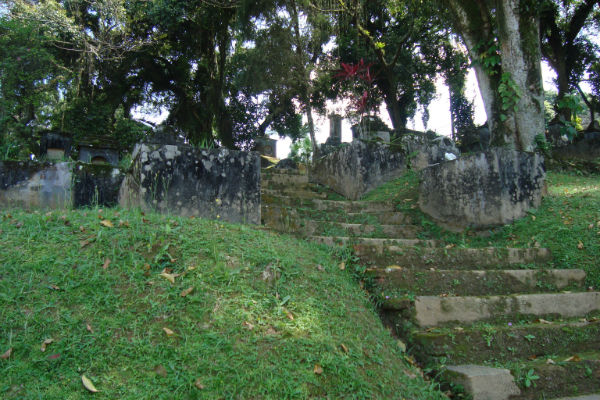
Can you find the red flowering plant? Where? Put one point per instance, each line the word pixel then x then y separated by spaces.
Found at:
pixel 361 80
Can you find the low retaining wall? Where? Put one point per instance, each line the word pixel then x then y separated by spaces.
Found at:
pixel 483 190
pixel 182 180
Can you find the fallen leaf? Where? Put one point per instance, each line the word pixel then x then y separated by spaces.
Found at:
pixel 88 327
pixel 54 287
pixel 288 314
pixel 543 321
pixel 248 325
pixel 574 358
pixel 191 268
pixel 550 361
pixel 533 217
pixel 168 332
pixel 124 223
pixel 187 291
pixel 580 245
pixel 19 224
pixel 106 223
pixel 450 246
pixel 53 356
pixel 144 220
pixel 160 370
pixel 532 357
pixel 45 344
pixel 169 277
pixel 402 346
pixel 84 243
pixel 342 266
pixel 6 354
pixel 591 226
pixel 344 348
pixel 106 264
pixel 199 384
pixel 88 384
pixel 320 267
pixel 318 369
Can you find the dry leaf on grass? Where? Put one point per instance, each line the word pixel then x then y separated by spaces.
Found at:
pixel 106 264
pixel 88 327
pixel 169 277
pixel 45 344
pixel 344 348
pixel 580 245
pixel 574 358
pixel 88 384
pixel 318 369
pixel 6 354
pixel 187 291
pixel 342 266
pixel 248 325
pixel 288 314
pixel 106 223
pixel 199 384
pixel 168 332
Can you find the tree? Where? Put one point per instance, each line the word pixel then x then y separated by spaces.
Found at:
pixel 565 26
pixel 503 40
pixel 400 40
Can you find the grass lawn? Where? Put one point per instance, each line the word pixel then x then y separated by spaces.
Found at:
pixel 151 306
pixel 567 222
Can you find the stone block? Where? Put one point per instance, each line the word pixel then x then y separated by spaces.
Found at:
pixel 482 190
pixel 354 169
pixel 96 185
pixel 483 383
pixel 182 180
pixel 30 184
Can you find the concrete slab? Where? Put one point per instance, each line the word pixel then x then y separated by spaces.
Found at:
pixel 483 383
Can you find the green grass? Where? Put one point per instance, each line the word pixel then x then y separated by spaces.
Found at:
pixel 569 215
pixel 233 334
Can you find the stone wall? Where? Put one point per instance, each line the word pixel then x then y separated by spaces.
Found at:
pixel 179 179
pixel 96 185
pixel 30 184
pixel 354 169
pixel 484 189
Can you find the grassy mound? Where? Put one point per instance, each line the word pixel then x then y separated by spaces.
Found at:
pixel 150 306
pixel 567 222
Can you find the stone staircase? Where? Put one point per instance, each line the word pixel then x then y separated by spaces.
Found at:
pixel 500 322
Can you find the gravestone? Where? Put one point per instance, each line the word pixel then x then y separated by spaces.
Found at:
pixel 483 190
pixel 54 146
pixel 186 181
pixel 99 150
pixel 266 146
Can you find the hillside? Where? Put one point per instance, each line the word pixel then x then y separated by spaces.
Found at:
pixel 151 306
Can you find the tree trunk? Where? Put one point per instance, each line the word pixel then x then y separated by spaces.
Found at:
pixel 520 56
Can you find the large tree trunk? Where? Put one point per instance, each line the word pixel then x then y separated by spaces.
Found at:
pixel 520 56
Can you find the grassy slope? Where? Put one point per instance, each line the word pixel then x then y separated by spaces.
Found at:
pixel 234 334
pixel 569 218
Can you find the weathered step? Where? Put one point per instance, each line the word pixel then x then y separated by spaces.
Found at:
pixel 476 283
pixel 292 193
pixel 283 179
pixel 374 242
pixel 371 218
pixel 483 382
pixel 274 199
pixel 584 397
pixel 436 311
pixel 449 258
pixel 502 343
pixel 560 378
pixel 307 227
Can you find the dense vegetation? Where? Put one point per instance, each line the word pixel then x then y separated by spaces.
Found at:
pixel 227 71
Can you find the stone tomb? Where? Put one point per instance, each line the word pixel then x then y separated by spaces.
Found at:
pixel 54 146
pixel 182 180
pixel 99 150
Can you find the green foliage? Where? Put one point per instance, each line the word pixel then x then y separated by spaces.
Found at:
pixel 489 56
pixel 301 150
pixel 510 94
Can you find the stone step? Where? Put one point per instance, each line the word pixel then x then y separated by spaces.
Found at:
pixel 449 257
pixel 374 242
pixel 283 179
pixel 268 172
pixel 584 397
pixel 571 379
pixel 501 343
pixel 483 382
pixel 275 199
pixel 371 218
pixel 430 311
pixel 476 283
pixel 302 194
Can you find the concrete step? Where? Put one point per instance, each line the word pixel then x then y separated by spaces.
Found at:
pixel 502 343
pixel 275 199
pixel 370 218
pixel 283 179
pixel 476 283
pixel 584 397
pixel 483 382
pixel 268 172
pixel 448 257
pixel 438 311
pixel 374 242
pixel 574 379
pixel 301 194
